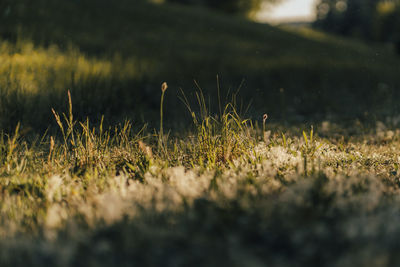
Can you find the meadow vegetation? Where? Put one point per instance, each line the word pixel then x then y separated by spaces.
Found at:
pixel 91 173
pixel 227 193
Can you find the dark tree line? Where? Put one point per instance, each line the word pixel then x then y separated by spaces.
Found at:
pixel 235 7
pixel 372 20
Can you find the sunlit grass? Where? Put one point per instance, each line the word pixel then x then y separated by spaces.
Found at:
pixel 32 68
pixel 33 79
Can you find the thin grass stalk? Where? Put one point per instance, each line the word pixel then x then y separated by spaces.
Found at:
pixel 164 87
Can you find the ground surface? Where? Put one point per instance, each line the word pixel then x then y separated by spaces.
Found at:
pixel 223 195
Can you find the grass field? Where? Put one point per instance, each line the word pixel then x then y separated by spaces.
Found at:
pixel 101 164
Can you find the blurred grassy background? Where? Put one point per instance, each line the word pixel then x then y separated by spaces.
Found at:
pixel 113 56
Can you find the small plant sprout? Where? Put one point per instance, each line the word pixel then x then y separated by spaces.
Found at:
pixel 266 134
pixel 265 117
pixel 309 148
pixel 284 140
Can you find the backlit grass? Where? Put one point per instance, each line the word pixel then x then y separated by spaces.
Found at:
pixel 34 79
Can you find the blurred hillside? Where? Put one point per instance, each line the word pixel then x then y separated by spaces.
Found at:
pixel 113 57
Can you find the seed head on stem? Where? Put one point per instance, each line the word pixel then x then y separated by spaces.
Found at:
pixel 164 87
pixel 265 117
